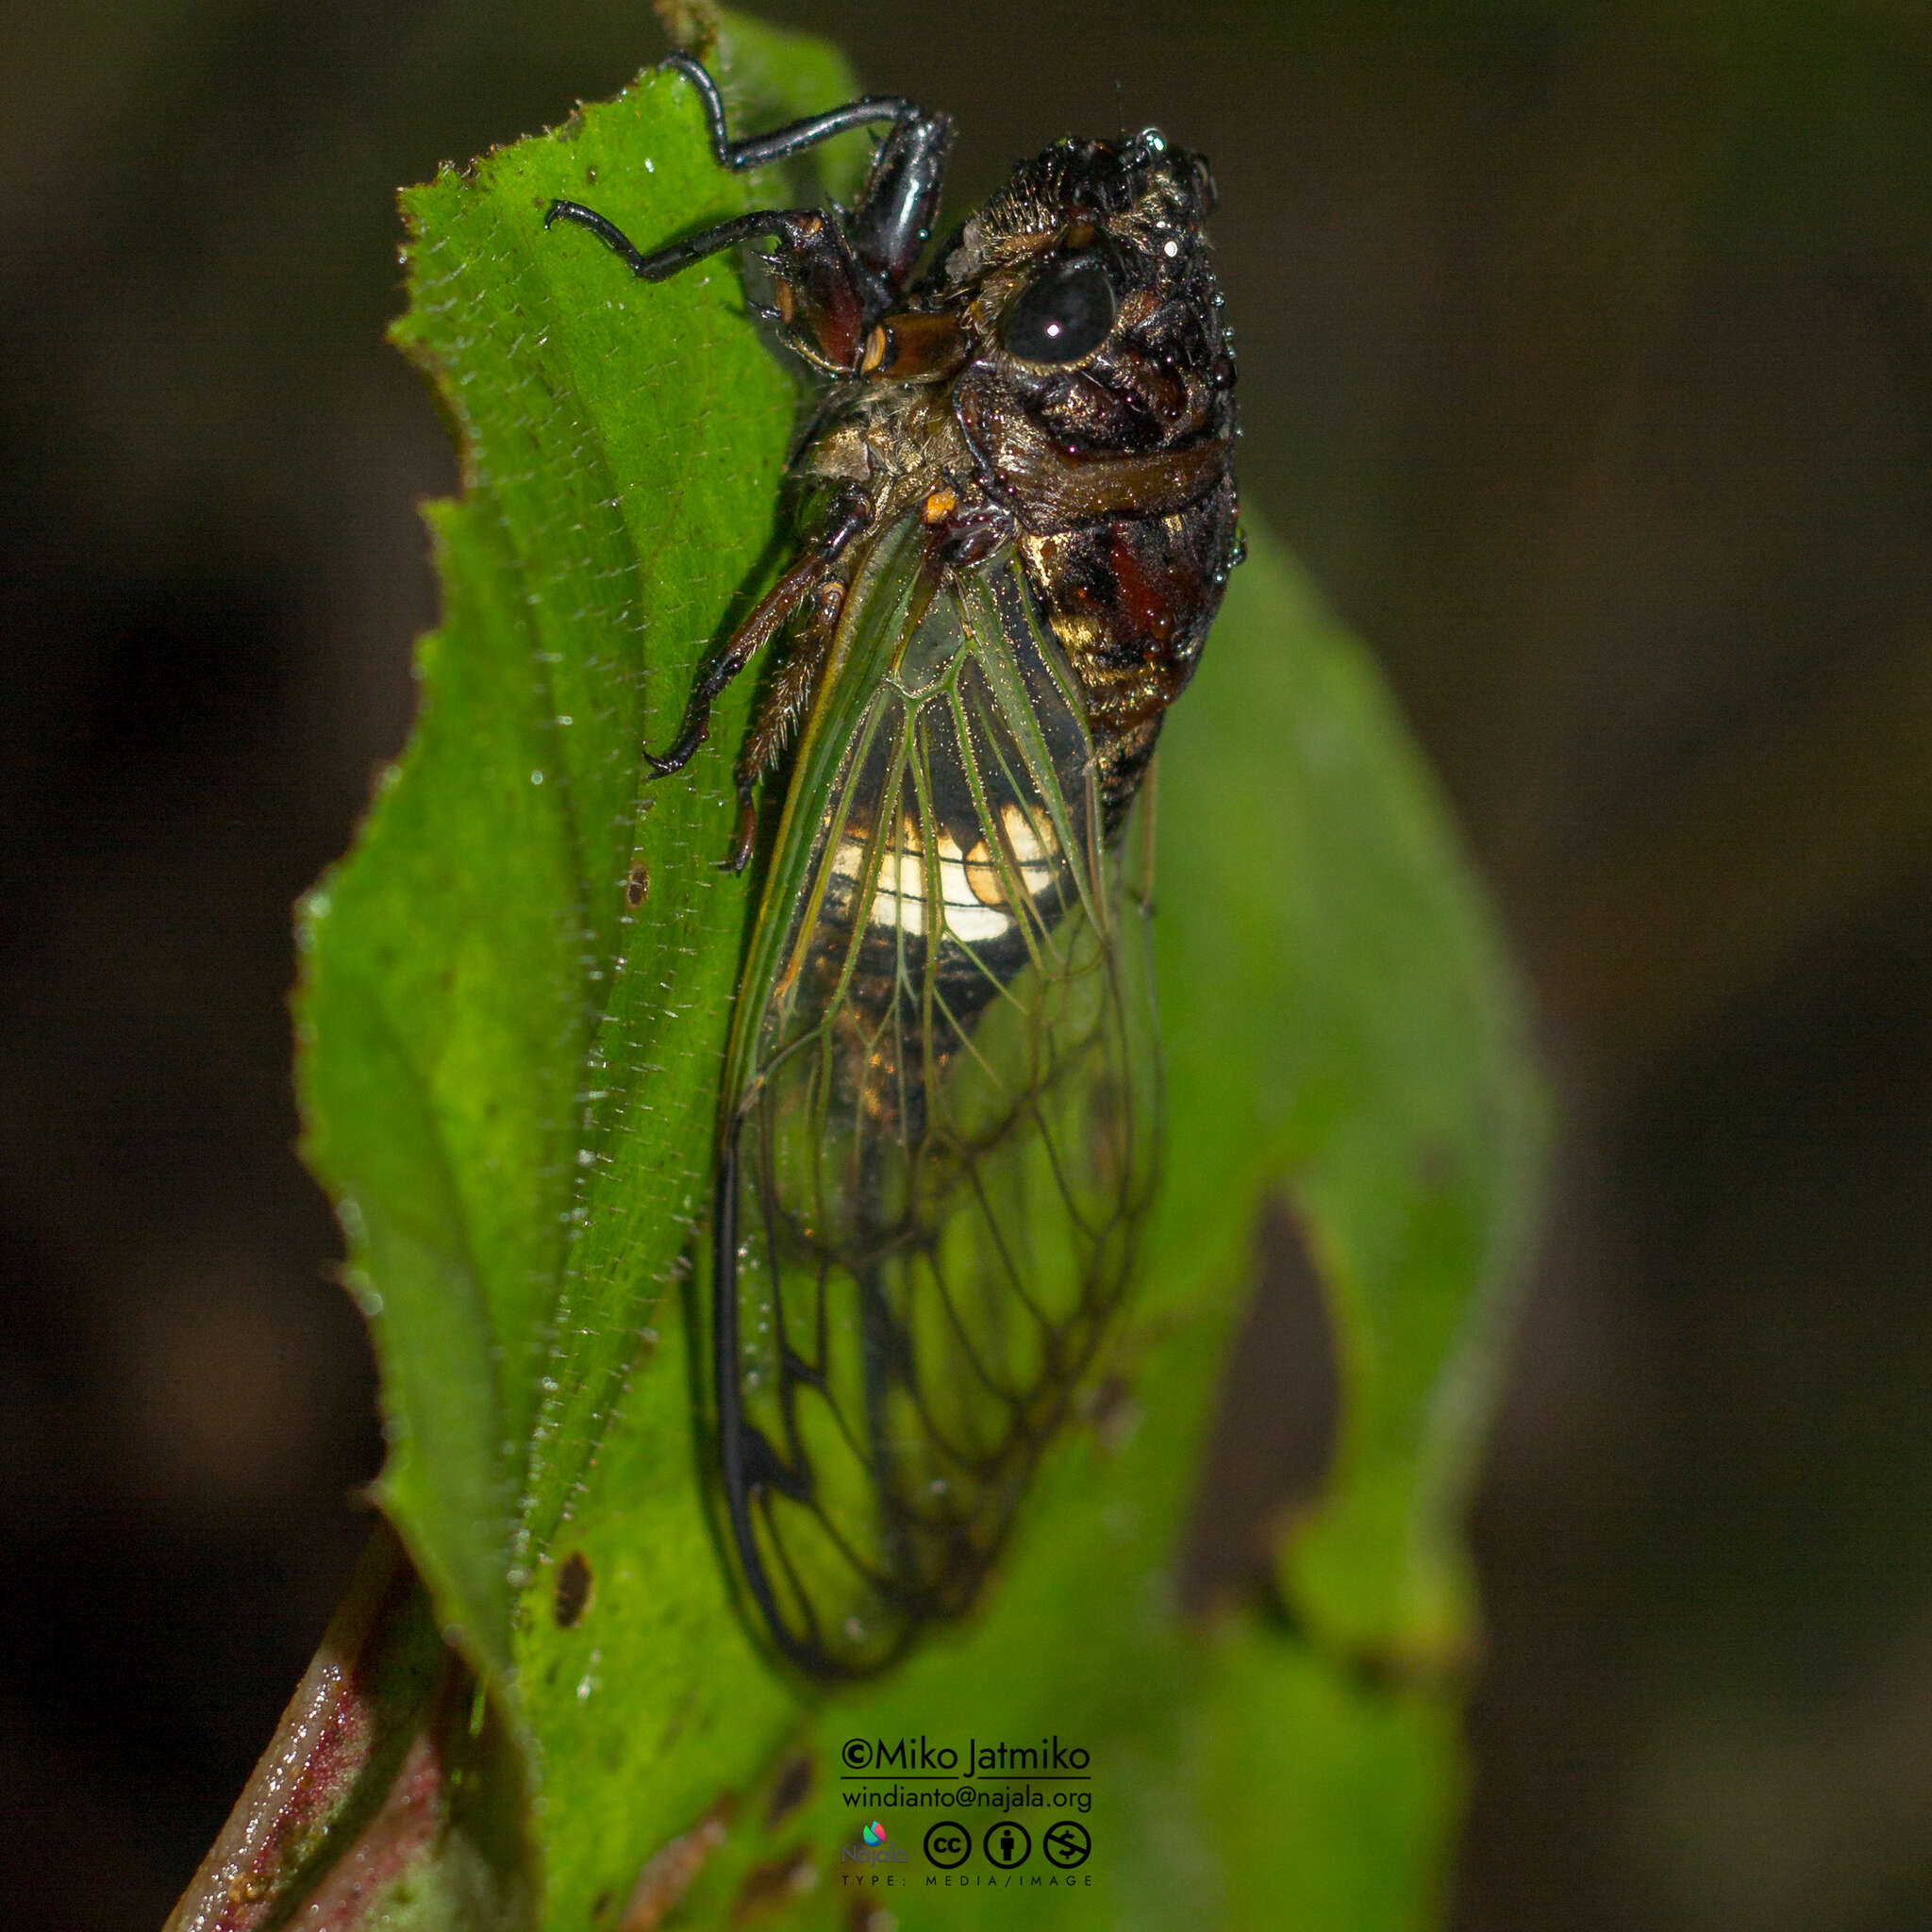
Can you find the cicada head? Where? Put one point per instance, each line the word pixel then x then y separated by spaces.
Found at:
pixel 1089 287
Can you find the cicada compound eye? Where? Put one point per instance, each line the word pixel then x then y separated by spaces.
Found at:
pixel 1065 313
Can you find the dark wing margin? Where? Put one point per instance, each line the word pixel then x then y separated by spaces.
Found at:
pixel 938 1140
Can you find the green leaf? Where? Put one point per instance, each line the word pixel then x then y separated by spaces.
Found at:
pixel 516 992
pixel 511 1067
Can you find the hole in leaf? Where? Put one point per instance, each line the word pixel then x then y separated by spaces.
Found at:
pixel 1274 1434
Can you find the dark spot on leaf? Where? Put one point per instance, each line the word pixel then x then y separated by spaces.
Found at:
pixel 600 1907
pixel 638 885
pixel 680 1716
pixel 788 1877
pixel 790 1788
pixel 573 1590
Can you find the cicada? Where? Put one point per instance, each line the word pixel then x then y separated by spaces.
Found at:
pixel 938 1131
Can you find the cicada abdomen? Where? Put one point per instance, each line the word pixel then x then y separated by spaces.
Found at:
pixel 941 1127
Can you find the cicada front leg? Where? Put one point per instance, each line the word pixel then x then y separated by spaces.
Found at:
pixel 803 602
pixel 821 301
pixel 789 697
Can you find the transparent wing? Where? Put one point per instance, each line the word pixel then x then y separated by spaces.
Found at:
pixel 941 1138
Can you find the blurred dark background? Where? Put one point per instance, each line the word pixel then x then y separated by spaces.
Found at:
pixel 1587 358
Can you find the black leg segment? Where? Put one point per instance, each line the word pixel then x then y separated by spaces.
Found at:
pixel 763 149
pixel 893 219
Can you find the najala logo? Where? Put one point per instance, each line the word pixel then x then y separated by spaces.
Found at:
pixel 874 1851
